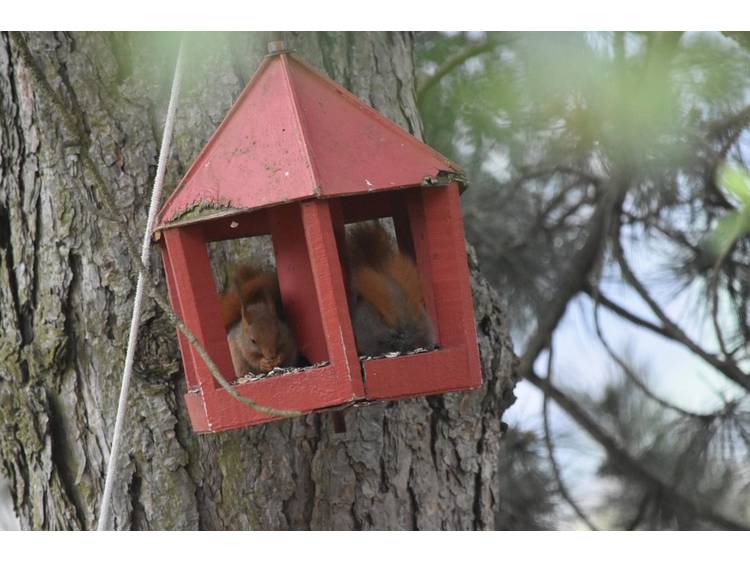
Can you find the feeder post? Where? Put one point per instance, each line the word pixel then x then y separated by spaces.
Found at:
pixel 443 237
pixel 199 301
pixel 174 299
pixel 329 284
pixel 296 282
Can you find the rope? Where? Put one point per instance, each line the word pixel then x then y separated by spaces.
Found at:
pixel 135 320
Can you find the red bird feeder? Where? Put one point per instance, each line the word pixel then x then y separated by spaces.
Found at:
pixel 298 157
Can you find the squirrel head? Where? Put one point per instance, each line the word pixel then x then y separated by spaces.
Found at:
pixel 266 340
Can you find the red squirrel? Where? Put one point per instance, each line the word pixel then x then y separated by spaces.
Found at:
pixel 387 306
pixel 388 312
pixel 259 338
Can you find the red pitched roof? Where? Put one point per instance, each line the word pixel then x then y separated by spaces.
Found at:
pixel 294 134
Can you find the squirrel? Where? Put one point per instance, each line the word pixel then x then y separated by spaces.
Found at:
pixel 387 306
pixel 259 337
pixel 388 312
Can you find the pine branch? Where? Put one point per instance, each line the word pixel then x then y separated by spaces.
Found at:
pixel 451 64
pixel 729 369
pixel 599 297
pixel 562 488
pixel 625 461
pixel 581 264
pixel 636 380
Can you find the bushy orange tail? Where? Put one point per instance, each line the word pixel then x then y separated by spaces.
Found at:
pixel 369 245
pixel 403 271
pixel 373 287
pixel 377 265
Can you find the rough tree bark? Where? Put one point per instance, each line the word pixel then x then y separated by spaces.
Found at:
pixel 66 290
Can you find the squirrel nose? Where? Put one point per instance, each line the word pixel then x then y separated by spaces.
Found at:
pixel 270 362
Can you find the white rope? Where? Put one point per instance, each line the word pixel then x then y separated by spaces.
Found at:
pixel 135 321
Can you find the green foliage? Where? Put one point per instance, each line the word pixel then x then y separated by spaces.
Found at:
pixel 735 224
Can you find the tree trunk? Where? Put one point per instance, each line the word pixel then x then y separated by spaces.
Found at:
pixel 66 291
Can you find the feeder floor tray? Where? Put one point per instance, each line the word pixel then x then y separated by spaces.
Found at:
pixel 278 371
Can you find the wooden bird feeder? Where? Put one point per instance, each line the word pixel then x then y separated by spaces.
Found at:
pixel 298 157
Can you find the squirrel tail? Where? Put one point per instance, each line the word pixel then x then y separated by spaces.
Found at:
pixel 373 287
pixel 404 273
pixel 380 269
pixel 369 245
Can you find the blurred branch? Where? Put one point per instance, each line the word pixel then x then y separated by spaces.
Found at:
pixel 599 297
pixel 635 379
pixel 642 507
pixel 454 62
pixel 661 47
pixel 742 432
pixel 731 125
pixel 564 169
pixel 699 254
pixel 563 489
pixel 625 461
pixel 729 369
pixel 742 38
pixel 713 293
pixel 581 265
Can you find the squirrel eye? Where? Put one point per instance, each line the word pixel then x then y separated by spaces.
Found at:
pixel 253 340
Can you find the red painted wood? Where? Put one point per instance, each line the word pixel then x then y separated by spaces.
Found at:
pixel 243 225
pixel 357 208
pixel 354 148
pixel 294 134
pixel 296 281
pixel 196 408
pixel 257 156
pixel 339 232
pixel 443 230
pixel 305 392
pixel 423 255
pixel 337 221
pixel 416 375
pixel 314 296
pixel 174 299
pixel 199 301
pixel 432 221
pixel 329 284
